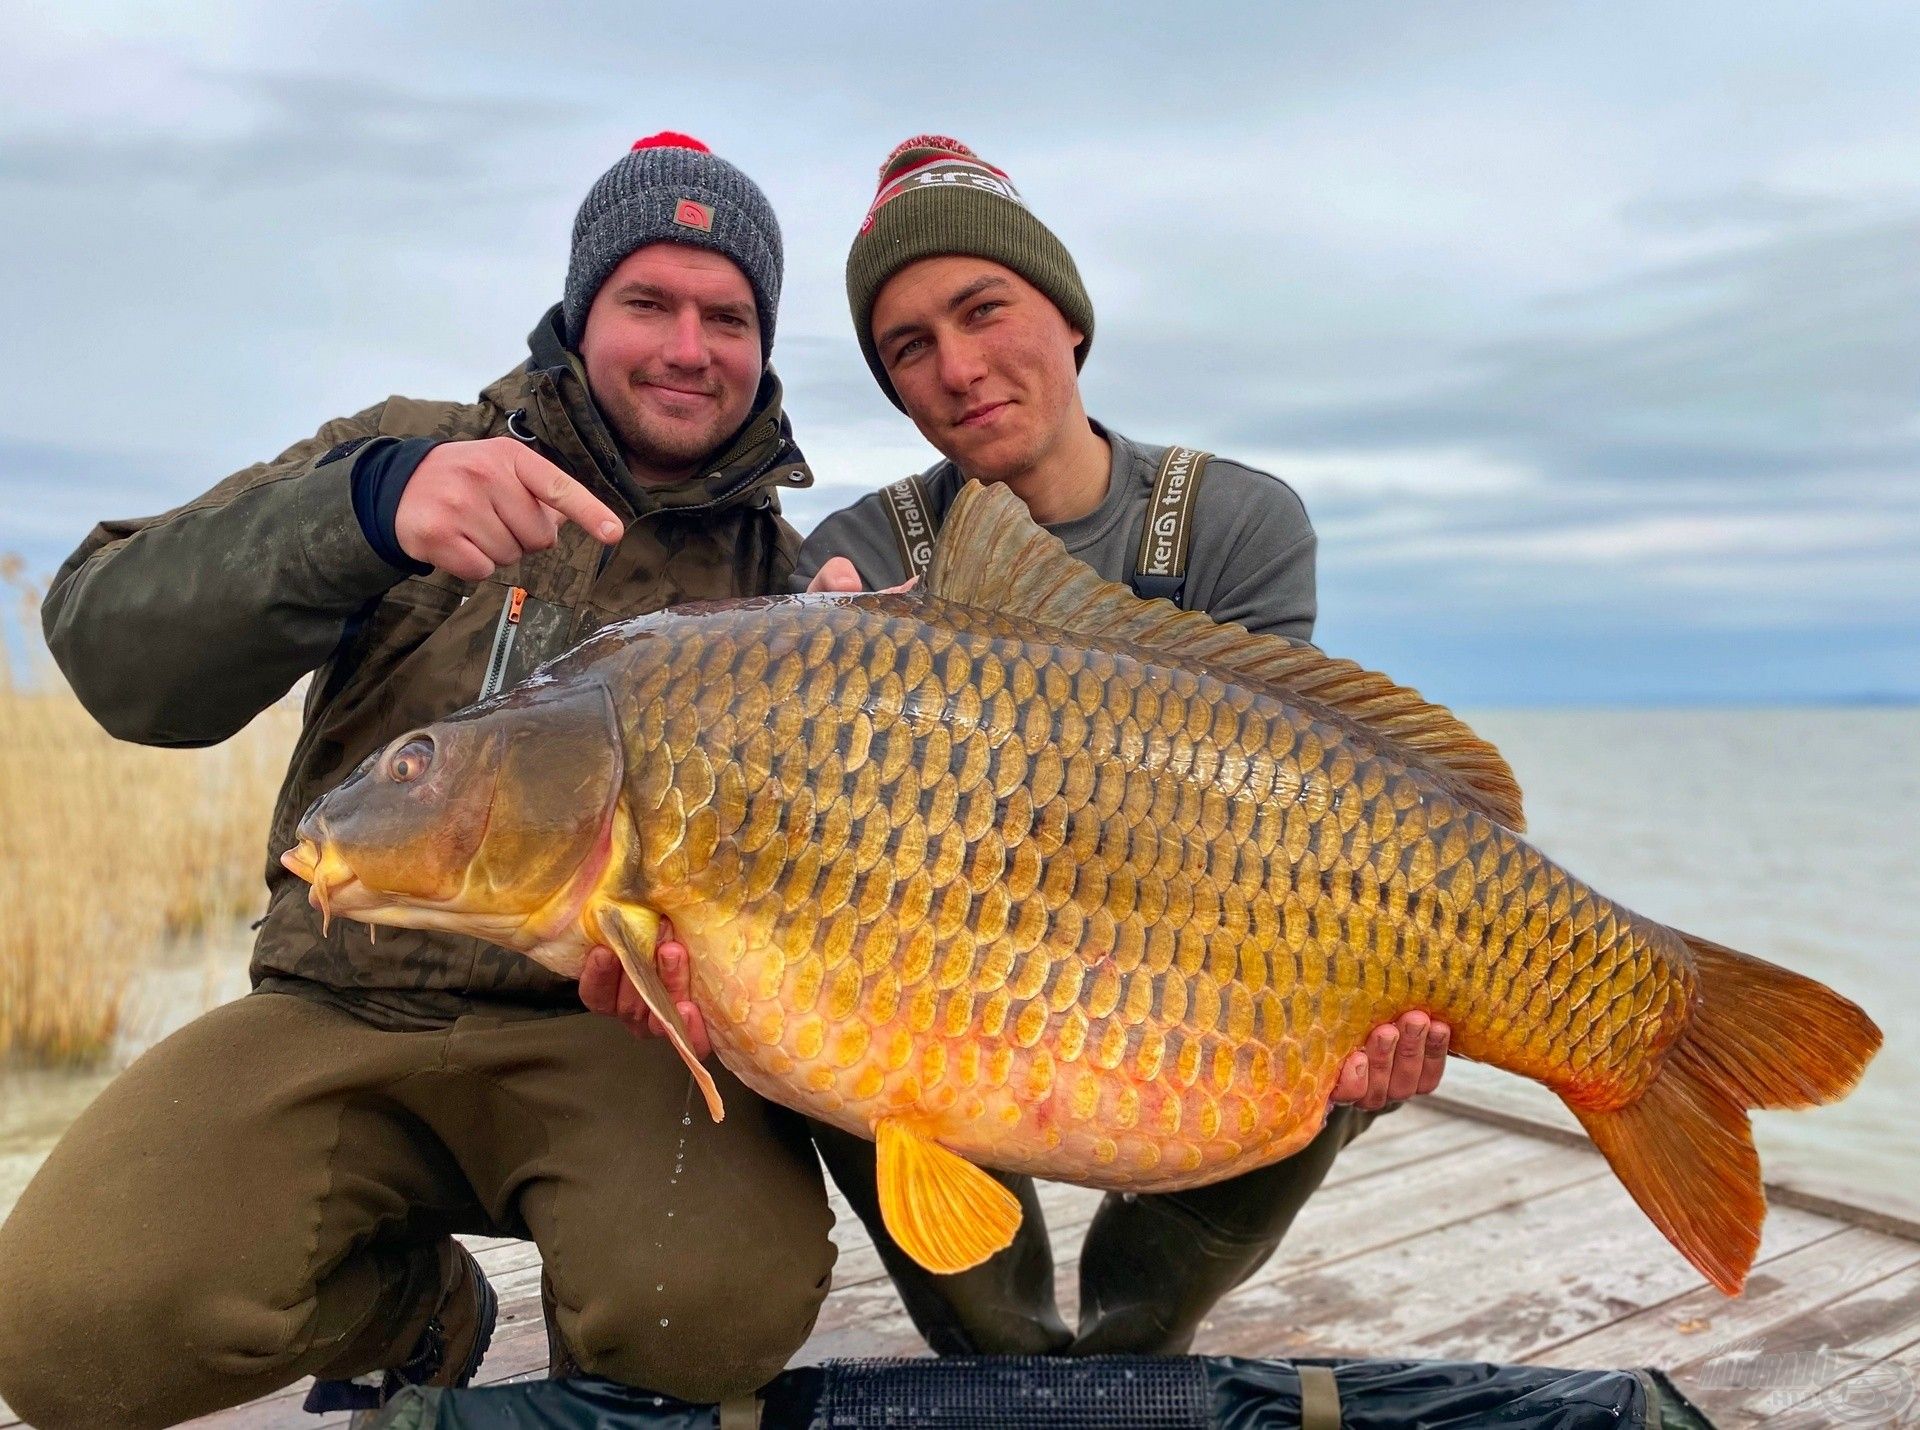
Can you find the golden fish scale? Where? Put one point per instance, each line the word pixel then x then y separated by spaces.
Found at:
pixel 1082 911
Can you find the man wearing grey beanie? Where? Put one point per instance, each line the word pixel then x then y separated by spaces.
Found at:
pixel 273 1192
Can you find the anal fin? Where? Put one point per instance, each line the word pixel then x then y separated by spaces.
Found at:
pixel 946 1213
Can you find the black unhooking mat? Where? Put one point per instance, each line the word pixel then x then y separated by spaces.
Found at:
pixel 1099 1393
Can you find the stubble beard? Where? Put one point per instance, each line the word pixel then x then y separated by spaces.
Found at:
pixel 667 452
pixel 673 453
pixel 1005 460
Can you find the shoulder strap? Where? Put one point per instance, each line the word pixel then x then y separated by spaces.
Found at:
pixel 911 517
pixel 1160 570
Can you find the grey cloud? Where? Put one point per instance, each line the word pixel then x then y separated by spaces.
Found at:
pixel 302 129
pixel 1749 205
pixel 1780 357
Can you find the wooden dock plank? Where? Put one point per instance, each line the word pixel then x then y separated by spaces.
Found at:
pixel 1703 1324
pixel 1349 1215
pixel 1489 1287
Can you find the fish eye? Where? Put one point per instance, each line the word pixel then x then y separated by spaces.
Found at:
pixel 410 761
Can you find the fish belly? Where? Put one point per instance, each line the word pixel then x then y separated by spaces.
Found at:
pixel 1147 1108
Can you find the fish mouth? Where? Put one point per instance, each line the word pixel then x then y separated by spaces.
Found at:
pixel 338 891
pixel 335 886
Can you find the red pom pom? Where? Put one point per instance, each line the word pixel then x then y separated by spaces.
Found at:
pixel 671 139
pixel 925 141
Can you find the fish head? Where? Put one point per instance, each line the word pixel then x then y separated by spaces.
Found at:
pixel 496 822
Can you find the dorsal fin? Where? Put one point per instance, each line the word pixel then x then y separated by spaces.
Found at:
pixel 991 554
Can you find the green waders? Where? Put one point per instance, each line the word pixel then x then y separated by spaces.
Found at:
pixel 1151 1268
pixel 269 1194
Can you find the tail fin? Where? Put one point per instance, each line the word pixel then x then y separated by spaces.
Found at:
pixel 1759 1036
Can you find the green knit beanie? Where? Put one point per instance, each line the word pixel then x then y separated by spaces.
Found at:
pixel 936 197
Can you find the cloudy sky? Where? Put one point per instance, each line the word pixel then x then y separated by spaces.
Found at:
pixel 1590 333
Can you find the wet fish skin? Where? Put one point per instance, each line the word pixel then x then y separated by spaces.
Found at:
pixel 1085 914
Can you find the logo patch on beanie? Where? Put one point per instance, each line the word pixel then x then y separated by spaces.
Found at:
pixel 691 213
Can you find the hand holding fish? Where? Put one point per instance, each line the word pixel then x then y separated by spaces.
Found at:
pixel 837 574
pixel 842 577
pixel 1400 1060
pixel 1024 873
pixel 473 507
pixel 605 988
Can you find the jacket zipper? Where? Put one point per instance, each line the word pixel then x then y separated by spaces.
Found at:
pixel 504 635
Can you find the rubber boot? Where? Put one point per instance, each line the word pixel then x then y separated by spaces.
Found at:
pixel 1154 1265
pixel 1005 1306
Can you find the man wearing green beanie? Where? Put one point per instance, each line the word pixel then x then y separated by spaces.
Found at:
pixel 975 322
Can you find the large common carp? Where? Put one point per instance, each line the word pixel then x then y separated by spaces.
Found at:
pixel 1023 872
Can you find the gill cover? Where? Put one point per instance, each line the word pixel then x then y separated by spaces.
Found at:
pixel 559 771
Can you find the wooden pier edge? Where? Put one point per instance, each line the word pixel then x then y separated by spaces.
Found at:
pixel 1779 1192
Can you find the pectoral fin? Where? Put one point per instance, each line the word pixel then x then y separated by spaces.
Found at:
pixel 631 932
pixel 945 1212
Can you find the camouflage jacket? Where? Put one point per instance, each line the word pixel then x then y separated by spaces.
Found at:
pixel 178 629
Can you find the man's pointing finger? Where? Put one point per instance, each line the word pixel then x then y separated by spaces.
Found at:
pixel 556 489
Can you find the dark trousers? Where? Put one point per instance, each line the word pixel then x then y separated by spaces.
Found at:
pixel 1150 1270
pixel 269 1193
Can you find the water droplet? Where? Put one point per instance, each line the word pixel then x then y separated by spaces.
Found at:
pixel 686 1122
pixel 669 1213
pixel 1127 1197
pixel 663 1320
pixel 660 1286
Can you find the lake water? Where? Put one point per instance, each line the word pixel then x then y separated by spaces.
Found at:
pixel 1790 834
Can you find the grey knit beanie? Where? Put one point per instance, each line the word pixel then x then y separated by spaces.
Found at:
pixel 672 189
pixel 938 197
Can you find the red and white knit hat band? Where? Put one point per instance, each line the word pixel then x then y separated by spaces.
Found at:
pixel 945 171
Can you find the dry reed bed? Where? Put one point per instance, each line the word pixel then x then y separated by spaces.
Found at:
pixel 108 851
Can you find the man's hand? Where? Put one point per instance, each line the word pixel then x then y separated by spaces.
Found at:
pixel 605 988
pixel 472 507
pixel 1401 1060
pixel 836 574
pixel 839 575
